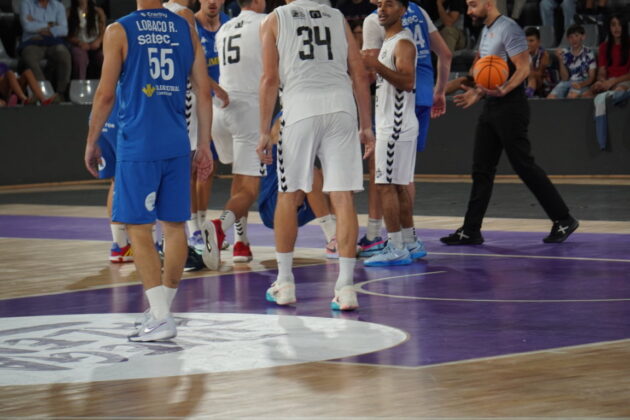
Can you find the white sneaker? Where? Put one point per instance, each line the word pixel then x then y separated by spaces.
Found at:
pixel 281 293
pixel 155 330
pixel 213 237
pixel 145 317
pixel 389 256
pixel 345 299
pixel 416 249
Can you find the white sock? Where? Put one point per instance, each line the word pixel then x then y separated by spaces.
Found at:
pixel 201 217
pixel 409 235
pixel 373 229
pixel 285 267
pixel 396 239
pixel 346 272
pixel 329 226
pixel 154 233
pixel 157 302
pixel 119 234
pixel 169 293
pixel 227 219
pixel 192 224
pixel 240 230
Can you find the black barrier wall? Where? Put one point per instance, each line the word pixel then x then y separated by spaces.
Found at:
pixel 46 144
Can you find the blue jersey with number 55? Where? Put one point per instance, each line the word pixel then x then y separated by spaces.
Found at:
pixel 151 100
pixel 416 22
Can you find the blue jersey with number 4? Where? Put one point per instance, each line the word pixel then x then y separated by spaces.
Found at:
pixel 152 86
pixel 416 22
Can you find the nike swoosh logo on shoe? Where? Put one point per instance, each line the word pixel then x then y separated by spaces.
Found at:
pixel 148 330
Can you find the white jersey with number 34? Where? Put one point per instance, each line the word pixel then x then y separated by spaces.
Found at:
pixel 313 63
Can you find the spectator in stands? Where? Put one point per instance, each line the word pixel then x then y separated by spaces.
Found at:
pixel 577 66
pixel 448 16
pixel 13 88
pixel 86 28
pixel 613 73
pixel 45 27
pixel 540 75
pixel 613 59
pixel 355 10
pixel 547 10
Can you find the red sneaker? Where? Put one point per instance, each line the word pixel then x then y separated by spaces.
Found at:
pixel 241 252
pixel 213 237
pixel 121 255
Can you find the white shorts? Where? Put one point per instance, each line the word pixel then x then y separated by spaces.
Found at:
pixel 235 135
pixel 334 139
pixel 395 160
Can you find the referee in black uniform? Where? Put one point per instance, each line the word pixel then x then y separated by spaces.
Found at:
pixel 503 125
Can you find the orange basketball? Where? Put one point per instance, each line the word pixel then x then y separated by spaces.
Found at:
pixel 491 71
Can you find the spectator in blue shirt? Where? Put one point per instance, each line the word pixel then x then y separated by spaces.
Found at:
pixel 45 26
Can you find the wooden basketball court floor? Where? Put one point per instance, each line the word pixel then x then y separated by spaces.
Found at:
pixel 513 328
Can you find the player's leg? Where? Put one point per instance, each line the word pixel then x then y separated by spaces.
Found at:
pixel 372 242
pixel 339 152
pixel 407 198
pixel 486 153
pixel 212 231
pixel 296 156
pixel 136 191
pixel 392 177
pixel 322 209
pixel 244 192
pixel 513 131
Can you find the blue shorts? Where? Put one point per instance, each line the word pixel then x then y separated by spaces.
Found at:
pixel 107 166
pixel 146 191
pixel 423 114
pixel 268 199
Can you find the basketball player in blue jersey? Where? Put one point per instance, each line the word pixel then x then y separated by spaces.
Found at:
pixel 209 19
pixel 502 125
pixel 430 101
pixel 151 53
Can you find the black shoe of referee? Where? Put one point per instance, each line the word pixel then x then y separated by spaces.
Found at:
pixel 561 230
pixel 461 237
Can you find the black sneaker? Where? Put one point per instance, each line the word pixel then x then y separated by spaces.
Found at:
pixel 194 261
pixel 561 230
pixel 463 238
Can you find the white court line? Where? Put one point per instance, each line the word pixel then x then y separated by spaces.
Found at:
pixel 543 257
pixel 557 350
pixel 359 288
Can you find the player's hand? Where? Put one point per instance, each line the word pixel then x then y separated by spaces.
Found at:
pixel 439 105
pixel 92 158
pixel 370 60
pixel 467 99
pixel 497 92
pixel 367 138
pixel 220 93
pixel 265 149
pixel 203 163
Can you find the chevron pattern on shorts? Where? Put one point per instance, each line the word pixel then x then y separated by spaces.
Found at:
pixel 399 103
pixel 282 179
pixel 189 109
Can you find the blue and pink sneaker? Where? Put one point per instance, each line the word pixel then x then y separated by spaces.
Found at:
pixel 369 248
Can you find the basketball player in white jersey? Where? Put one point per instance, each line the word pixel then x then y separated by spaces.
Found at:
pixel 310 53
pixel 235 128
pixel 396 126
pixel 184 9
